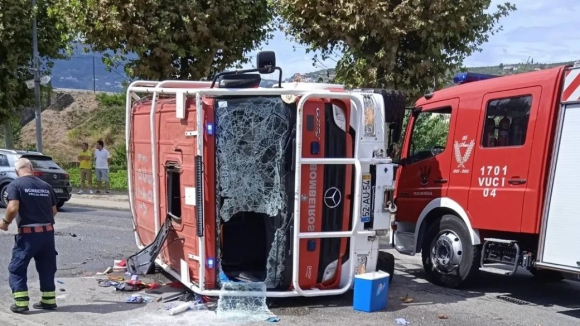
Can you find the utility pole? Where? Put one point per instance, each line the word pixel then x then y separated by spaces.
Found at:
pixel 94 79
pixel 36 72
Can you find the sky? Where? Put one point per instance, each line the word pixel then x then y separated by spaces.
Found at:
pixel 547 31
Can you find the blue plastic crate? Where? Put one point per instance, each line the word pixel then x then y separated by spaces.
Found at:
pixel 371 291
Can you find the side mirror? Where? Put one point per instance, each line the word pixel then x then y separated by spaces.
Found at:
pixel 266 62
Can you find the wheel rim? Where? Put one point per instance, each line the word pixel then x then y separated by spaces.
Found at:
pixel 5 197
pixel 446 252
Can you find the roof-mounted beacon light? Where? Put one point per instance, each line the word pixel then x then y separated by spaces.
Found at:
pixel 266 64
pixel 468 77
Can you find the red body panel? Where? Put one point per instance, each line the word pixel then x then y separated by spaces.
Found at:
pixel 172 146
pixel 515 208
pixel 312 179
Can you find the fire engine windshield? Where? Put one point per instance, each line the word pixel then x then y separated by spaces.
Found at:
pixel 252 169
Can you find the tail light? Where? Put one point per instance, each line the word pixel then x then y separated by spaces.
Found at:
pixel 38 174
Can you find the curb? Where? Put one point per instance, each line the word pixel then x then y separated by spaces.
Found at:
pixel 122 209
pixel 111 205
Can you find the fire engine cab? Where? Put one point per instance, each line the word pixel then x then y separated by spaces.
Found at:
pixel 290 186
pixel 493 185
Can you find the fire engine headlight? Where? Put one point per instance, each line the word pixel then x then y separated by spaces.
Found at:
pixel 369 116
pixel 330 271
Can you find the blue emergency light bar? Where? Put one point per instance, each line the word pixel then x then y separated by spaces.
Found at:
pixel 468 77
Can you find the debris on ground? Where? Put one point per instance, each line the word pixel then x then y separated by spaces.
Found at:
pixel 190 305
pixel 166 293
pixel 132 285
pixel 59 282
pixel 238 302
pixel 244 302
pixel 107 271
pixel 407 299
pixel 402 321
pixel 442 316
pixel 120 265
pixel 135 298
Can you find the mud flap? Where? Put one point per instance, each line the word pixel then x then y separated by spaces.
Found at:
pixel 143 262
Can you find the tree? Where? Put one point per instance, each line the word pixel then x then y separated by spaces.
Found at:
pixel 188 39
pixel 407 45
pixel 16 54
pixel 320 80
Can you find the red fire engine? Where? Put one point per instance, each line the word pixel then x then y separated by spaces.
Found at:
pixel 290 186
pixel 495 186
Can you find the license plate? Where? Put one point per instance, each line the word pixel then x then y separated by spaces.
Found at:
pixel 58 190
pixel 365 214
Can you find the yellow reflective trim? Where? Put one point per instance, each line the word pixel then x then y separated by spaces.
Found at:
pixel 21 294
pixel 48 301
pixel 21 303
pixel 49 294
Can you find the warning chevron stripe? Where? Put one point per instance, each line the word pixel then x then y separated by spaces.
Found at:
pixel 571 90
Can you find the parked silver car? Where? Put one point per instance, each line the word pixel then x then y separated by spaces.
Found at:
pixel 44 168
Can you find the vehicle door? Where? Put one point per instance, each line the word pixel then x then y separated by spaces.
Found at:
pixel 424 172
pixel 501 162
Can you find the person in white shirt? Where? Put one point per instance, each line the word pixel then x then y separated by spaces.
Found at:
pixel 102 160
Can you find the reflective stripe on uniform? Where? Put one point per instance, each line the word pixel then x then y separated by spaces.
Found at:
pixel 21 298
pixel 48 297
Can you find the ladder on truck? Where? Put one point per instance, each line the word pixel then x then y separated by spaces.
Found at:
pixel 183 89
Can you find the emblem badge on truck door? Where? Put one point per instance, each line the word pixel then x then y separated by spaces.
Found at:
pixel 459 157
pixel 425 172
pixel 332 197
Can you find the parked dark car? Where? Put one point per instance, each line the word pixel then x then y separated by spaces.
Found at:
pixel 44 168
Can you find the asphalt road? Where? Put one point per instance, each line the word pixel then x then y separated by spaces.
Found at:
pixel 102 236
pixel 87 241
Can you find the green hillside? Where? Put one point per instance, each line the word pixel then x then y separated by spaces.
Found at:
pixel 326 75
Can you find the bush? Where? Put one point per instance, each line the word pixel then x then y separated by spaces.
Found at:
pixel 109 100
pixel 117 178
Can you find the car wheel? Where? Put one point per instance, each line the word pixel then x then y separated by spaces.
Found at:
pixel 449 258
pixel 4 193
pixel 386 263
pixel 60 204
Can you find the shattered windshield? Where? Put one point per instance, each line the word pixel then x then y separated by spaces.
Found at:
pixel 252 146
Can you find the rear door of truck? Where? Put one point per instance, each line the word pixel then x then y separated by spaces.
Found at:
pixel 559 239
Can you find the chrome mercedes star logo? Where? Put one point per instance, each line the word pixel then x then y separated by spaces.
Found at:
pixel 54 176
pixel 332 197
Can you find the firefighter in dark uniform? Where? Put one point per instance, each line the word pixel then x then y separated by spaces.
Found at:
pixel 33 203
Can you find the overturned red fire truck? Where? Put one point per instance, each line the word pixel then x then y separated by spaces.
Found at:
pixel 495 188
pixel 290 186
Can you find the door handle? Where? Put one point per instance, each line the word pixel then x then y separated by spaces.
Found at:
pixel 516 181
pixel 441 181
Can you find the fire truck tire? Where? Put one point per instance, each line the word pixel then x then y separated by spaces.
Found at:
pixel 449 258
pixel 386 263
pixel 546 276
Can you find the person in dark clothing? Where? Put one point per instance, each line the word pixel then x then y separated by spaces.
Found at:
pixel 33 203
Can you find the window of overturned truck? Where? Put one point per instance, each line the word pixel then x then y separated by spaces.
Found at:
pixel 254 188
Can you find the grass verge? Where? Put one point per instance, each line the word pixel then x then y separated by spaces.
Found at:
pixel 117 178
